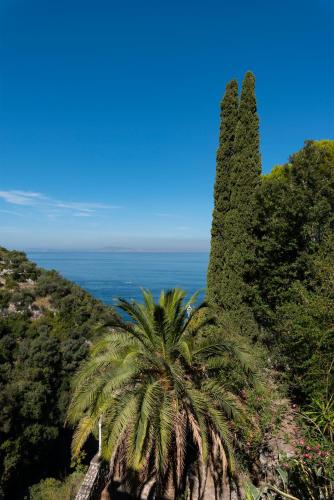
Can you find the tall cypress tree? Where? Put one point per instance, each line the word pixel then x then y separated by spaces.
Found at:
pixel 229 118
pixel 232 237
pixel 239 222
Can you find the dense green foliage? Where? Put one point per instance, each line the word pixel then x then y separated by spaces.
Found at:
pixel 240 220
pixel 163 390
pixel 229 119
pixel 45 325
pixel 231 266
pixel 294 267
pixel 54 489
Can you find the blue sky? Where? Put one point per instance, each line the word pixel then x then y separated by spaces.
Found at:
pixel 109 111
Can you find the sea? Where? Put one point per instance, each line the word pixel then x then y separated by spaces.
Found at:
pixel 111 275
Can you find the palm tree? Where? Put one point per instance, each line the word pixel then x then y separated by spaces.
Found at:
pixel 160 384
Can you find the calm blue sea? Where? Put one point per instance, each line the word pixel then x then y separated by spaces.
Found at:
pixel 108 276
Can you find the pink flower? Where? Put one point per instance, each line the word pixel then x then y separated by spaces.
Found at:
pixel 302 442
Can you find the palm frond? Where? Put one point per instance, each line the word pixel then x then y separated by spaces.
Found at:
pixel 126 411
pixel 140 317
pixel 182 347
pixel 163 439
pixel 139 436
pixel 82 432
pixel 148 300
pixel 224 399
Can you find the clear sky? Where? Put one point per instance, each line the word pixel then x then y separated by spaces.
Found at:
pixel 109 111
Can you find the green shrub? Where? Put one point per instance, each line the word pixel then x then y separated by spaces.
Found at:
pixel 54 489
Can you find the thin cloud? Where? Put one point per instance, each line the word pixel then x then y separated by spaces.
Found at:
pixel 85 207
pixel 21 197
pixel 41 201
pixel 29 194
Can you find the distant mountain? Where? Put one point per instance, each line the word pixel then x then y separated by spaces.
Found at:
pixel 118 249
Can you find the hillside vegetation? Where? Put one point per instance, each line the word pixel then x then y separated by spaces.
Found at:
pixel 46 327
pixel 293 287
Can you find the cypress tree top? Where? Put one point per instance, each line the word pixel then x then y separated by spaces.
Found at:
pixel 247 161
